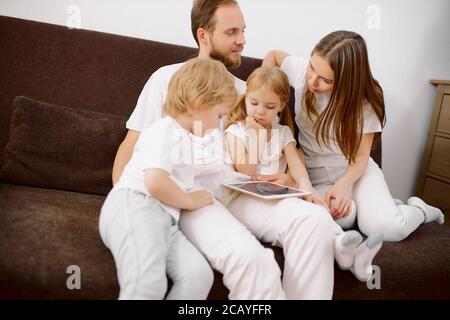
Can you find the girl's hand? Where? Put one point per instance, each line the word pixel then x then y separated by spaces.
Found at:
pixel 199 199
pixel 251 123
pixel 315 198
pixel 283 179
pixel 338 202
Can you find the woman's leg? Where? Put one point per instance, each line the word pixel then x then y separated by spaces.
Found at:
pixel 249 270
pixel 191 274
pixel 377 211
pixel 306 233
pixel 349 252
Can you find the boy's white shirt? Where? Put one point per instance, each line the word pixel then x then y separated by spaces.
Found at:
pixel 272 159
pixel 212 167
pixel 165 145
pixel 318 155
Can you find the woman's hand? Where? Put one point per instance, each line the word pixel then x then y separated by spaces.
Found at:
pixel 338 202
pixel 281 178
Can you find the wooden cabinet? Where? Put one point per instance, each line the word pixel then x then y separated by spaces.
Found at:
pixel 434 180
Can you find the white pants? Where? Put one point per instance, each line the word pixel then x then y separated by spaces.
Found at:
pixel 249 270
pixel 147 246
pixel 305 231
pixel 376 210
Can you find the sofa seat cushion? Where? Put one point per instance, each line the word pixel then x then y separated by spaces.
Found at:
pixel 415 268
pixel 42 233
pixel 63 148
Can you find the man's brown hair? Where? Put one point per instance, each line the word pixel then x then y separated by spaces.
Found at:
pixel 202 14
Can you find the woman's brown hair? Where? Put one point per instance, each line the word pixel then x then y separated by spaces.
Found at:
pixel 353 88
pixel 273 79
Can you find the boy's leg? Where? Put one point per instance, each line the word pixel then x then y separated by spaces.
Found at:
pixel 249 270
pixel 137 230
pixel 306 233
pixel 189 271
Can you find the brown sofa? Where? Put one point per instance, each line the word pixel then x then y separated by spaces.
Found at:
pixel 64 97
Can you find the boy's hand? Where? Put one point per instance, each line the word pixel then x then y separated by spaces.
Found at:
pixel 199 199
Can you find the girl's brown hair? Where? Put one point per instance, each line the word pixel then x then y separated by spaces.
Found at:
pixel 353 88
pixel 199 83
pixel 271 78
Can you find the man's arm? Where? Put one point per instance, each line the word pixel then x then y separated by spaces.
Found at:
pixel 123 154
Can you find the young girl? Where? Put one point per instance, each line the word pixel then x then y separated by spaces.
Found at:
pixel 259 134
pixel 340 113
pixel 139 219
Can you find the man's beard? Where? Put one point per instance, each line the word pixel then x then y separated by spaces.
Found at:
pixel 228 63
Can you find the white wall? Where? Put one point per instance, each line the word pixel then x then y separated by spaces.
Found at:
pixel 411 46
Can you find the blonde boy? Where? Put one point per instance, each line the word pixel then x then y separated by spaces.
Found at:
pixel 139 219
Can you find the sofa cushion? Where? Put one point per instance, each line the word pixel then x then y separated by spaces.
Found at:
pixel 42 233
pixel 62 148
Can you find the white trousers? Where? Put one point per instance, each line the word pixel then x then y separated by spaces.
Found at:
pixel 147 246
pixel 304 230
pixel 376 209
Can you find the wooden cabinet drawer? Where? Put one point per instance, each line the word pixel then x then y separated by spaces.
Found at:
pixel 437 194
pixel 440 157
pixel 444 116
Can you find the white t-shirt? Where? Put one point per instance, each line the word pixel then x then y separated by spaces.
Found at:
pixel 213 165
pixel 165 145
pixel 272 159
pixel 150 105
pixel 318 155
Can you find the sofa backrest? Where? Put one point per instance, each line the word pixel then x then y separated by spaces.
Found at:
pixel 80 69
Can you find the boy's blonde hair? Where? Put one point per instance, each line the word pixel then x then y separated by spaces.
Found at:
pixel 271 78
pixel 199 83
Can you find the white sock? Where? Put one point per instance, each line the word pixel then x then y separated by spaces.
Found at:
pixel 344 248
pixel 364 254
pixel 398 202
pixel 432 214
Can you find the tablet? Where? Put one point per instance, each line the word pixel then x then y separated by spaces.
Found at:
pixel 266 190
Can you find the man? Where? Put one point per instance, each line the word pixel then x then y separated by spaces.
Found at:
pixel 249 270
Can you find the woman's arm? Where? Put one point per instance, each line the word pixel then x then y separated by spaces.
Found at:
pixel 274 58
pixel 354 171
pixel 162 187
